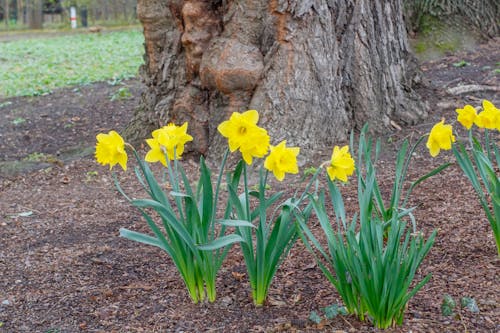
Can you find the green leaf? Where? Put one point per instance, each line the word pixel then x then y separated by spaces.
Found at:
pixel 461 63
pixel 141 238
pixel 221 242
pixel 469 303
pixel 179 194
pixel 236 223
pixel 334 310
pixel 314 317
pixel 343 311
pixel 448 305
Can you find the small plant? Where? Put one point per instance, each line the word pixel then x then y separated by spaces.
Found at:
pixel 372 259
pixel 121 94
pixel 18 121
pixel 330 312
pixel 36 157
pixel 91 175
pixel 461 63
pixel 448 305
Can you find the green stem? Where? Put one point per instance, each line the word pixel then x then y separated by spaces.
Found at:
pixel 217 189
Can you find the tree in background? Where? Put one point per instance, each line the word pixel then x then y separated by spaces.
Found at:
pixel 483 15
pixel 31 12
pixel 34 13
pixel 119 11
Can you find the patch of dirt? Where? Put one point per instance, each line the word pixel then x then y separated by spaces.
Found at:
pixel 37 131
pixel 64 268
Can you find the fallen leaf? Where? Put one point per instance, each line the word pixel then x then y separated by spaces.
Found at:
pixel 238 276
pixel 275 302
pixel 22 214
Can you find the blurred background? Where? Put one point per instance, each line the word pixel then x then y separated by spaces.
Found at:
pixel 55 14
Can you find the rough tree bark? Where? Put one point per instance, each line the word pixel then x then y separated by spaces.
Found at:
pixel 314 69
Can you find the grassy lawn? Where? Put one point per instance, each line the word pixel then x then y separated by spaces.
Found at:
pixel 30 67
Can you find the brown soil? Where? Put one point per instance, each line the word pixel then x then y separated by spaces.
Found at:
pixel 64 268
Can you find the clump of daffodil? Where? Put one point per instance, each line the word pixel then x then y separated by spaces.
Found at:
pixel 110 149
pixel 479 164
pixel 281 160
pixel 167 142
pixel 489 118
pixel 265 228
pixel 242 133
pixel 440 137
pixel 467 116
pixel 341 164
pixel 185 223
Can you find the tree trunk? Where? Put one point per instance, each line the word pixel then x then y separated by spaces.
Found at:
pixel 20 12
pixel 34 14
pixel 314 69
pixel 7 13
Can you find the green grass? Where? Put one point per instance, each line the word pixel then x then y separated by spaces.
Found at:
pixel 31 67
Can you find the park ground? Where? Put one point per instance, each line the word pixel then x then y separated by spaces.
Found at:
pixel 64 268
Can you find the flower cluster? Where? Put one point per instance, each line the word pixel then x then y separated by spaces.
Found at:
pixel 441 135
pixel 167 142
pixel 477 162
pixel 243 134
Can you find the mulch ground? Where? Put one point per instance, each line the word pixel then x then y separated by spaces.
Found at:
pixel 64 268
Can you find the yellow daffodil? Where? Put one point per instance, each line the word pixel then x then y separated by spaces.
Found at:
pixel 281 160
pixel 440 137
pixel 239 127
pixel 489 118
pixel 492 109
pixel 466 116
pixel 341 164
pixel 166 141
pixel 110 149
pixel 156 153
pixel 255 145
pixel 242 133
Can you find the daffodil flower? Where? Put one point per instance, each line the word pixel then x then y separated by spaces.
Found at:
pixel 440 137
pixel 489 118
pixel 167 142
pixel 239 127
pixel 110 149
pixel 492 109
pixel 242 133
pixel 156 153
pixel 341 164
pixel 466 116
pixel 281 160
pixel 256 145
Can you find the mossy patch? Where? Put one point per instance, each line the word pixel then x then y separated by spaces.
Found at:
pixel 436 37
